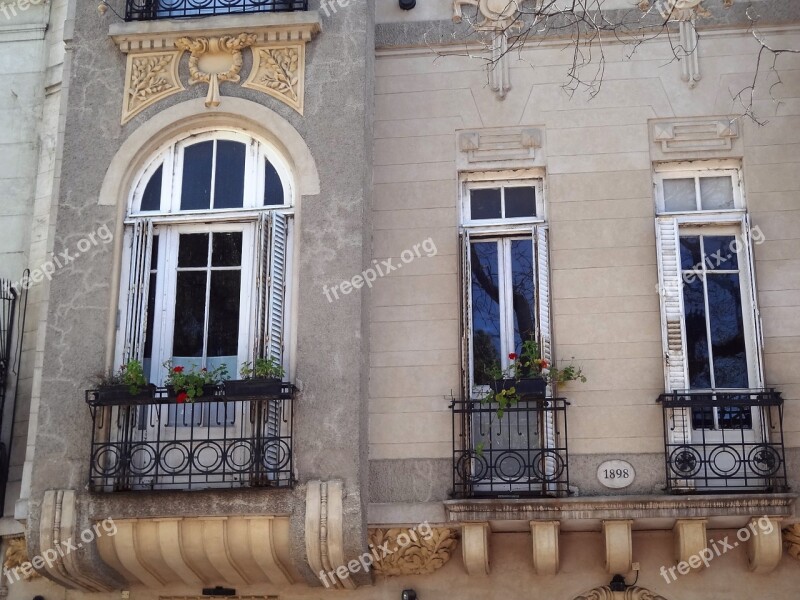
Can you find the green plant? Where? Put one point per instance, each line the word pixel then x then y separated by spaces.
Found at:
pixel 188 385
pixel 263 368
pixel 131 374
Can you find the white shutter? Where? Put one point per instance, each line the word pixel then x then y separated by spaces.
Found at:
pixel 541 251
pixel 134 318
pixel 279 232
pixel 466 317
pixel 262 285
pixel 673 334
pixel 747 243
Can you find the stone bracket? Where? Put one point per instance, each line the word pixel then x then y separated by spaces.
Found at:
pixel 544 536
pixel 765 547
pixel 690 538
pixel 475 548
pixel 619 546
pixel 325 532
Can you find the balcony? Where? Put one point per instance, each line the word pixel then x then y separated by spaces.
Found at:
pixel 521 454
pixel 153 443
pixel 149 10
pixel 724 441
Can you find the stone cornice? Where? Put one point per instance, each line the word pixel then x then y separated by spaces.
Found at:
pixel 624 507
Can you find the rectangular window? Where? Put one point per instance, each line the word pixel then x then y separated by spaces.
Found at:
pixel 502 203
pixel 707 190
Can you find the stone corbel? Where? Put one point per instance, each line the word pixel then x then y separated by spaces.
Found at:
pixel 690 539
pixel 686 13
pixel 325 533
pixel 544 536
pixel 632 593
pixel 765 548
pixel 619 546
pixel 475 548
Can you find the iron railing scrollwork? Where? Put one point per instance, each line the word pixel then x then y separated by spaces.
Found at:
pixel 214 442
pixel 724 441
pixel 149 10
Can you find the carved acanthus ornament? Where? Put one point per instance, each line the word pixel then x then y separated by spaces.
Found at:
pixel 791 540
pixel 632 593
pixel 150 77
pixel 16 556
pixel 411 552
pixel 278 71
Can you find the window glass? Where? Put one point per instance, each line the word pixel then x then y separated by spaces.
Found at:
pixel 679 195
pixel 485 310
pixel 485 204
pixel 151 198
pixel 524 301
pixel 727 330
pixel 716 193
pixel 273 188
pixel 229 174
pixel 520 202
pixel 696 335
pixel 196 186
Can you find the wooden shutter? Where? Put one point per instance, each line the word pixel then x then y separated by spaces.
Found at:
pixel 466 317
pixel 541 251
pixel 262 284
pixel 279 232
pixel 133 321
pixel 747 243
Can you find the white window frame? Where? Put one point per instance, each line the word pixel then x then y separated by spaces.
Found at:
pixel 468 186
pixel 698 170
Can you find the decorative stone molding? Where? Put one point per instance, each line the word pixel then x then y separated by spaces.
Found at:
pixel 765 548
pixel 217 598
pixel 17 555
pixel 544 536
pixel 324 530
pixel 475 548
pixel 490 148
pixel 632 593
pixel 278 70
pixel 690 538
pixel 215 59
pixel 59 523
pixel 150 77
pixel 619 546
pixel 708 137
pixel 415 554
pixel 791 540
pixel 196 551
pixel 215 44
pixel 682 10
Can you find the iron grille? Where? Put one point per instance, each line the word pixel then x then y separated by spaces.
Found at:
pixel 149 10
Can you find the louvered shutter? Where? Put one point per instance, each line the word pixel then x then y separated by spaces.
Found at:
pixel 262 285
pixel 134 320
pixel 279 233
pixel 673 334
pixel 747 243
pixel 466 317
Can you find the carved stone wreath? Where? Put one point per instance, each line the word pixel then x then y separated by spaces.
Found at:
pixel 412 553
pixel 632 593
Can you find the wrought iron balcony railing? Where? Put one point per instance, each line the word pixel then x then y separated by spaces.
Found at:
pixel 149 10
pixel 724 441
pixel 521 454
pixel 218 441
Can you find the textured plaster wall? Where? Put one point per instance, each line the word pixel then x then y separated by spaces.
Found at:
pixel 330 441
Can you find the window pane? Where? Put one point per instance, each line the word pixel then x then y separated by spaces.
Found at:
pixel 735 417
pixel 485 204
pixel 151 198
pixel 196 186
pixel 696 334
pixel 520 202
pixel 679 195
pixel 716 192
pixel 522 289
pixel 690 253
pixel 223 315
pixel 226 249
pixel 273 188
pixel 190 311
pixel 719 252
pixel 229 182
pixel 485 311
pixel 727 330
pixel 193 251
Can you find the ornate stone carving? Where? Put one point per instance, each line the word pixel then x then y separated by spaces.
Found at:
pixel 492 14
pixel 791 540
pixel 416 554
pixel 682 10
pixel 215 59
pixel 325 532
pixel 632 593
pixel 16 556
pixel 149 77
pixel 279 72
pixel 685 12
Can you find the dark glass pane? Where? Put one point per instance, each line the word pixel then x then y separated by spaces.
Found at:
pixel 520 202
pixel 151 312
pixel 703 417
pixel 485 204
pixel 735 417
pixel 485 311
pixel 193 251
pixel 690 253
pixel 226 249
pixel 696 334
pixel 151 198
pixel 273 188
pixel 229 182
pixel 719 252
pixel 154 254
pixel 196 187
pixel 522 289
pixel 727 331
pixel 190 304
pixel 223 315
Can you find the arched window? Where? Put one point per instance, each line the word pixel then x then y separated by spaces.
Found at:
pixel 207 231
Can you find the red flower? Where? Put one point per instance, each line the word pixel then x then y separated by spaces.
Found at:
pixel 182 396
pixel 513 356
pixel 177 370
pixel 204 370
pixel 544 363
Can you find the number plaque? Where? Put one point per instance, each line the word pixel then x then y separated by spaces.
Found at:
pixel 616 474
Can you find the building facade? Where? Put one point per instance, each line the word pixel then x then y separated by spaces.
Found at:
pixel 526 280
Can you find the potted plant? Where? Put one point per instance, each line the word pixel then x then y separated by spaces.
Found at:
pixel 125 386
pixel 189 385
pixel 264 377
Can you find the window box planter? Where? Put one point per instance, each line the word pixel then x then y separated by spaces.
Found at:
pixel 253 388
pixel 526 387
pixel 209 391
pixel 110 395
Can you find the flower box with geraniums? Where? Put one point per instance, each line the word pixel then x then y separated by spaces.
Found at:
pixel 261 379
pixel 128 385
pixel 187 385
